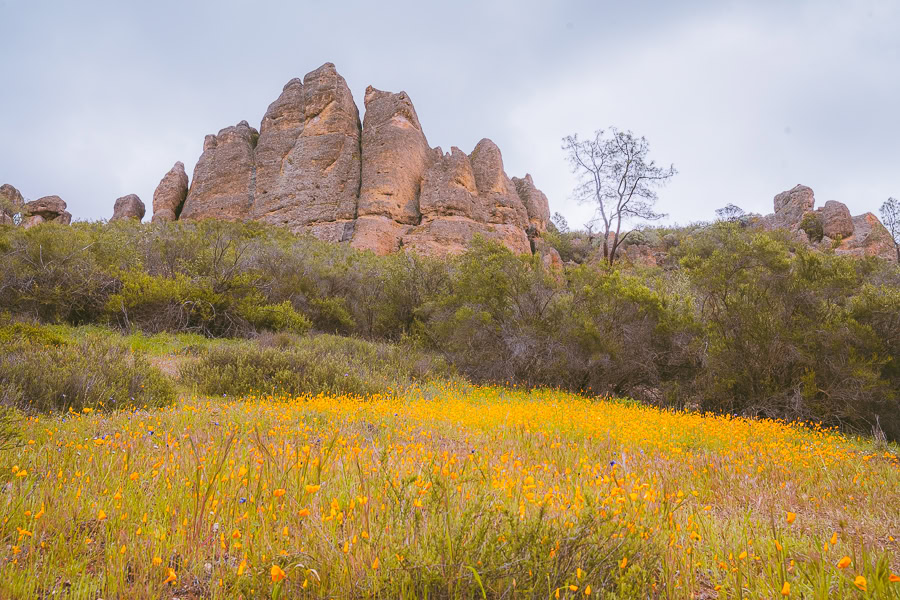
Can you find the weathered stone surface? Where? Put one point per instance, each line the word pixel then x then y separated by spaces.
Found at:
pixel 281 126
pixel 45 210
pixel 445 236
pixel 225 176
pixel 448 187
pixel 319 180
pixel 128 207
pixel 380 234
pixel 497 195
pixel 870 238
pixel 11 202
pixel 536 205
pixel 836 220
pixel 790 206
pixel 395 155
pixel 169 196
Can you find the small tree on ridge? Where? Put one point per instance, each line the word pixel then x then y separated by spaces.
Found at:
pixel 615 173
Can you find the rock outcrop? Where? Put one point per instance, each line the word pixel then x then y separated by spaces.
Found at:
pixel 378 185
pixel 169 196
pixel 44 210
pixel 128 207
pixel 312 187
pixel 224 179
pixel 11 202
pixel 862 235
pixel 790 206
pixel 836 220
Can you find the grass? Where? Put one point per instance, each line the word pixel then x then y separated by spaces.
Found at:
pixel 458 493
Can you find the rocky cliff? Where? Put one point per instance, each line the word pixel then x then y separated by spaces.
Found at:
pixel 377 184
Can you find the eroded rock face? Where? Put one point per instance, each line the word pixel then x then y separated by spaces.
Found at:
pixel 128 207
pixel 536 205
pixel 224 179
pixel 448 187
pixel 44 210
pixel 377 185
pixel 498 199
pixel 836 220
pixel 11 202
pixel 319 175
pixel 790 206
pixel 395 155
pixel 870 238
pixel 169 196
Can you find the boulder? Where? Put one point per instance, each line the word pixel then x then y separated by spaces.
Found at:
pixel 395 155
pixel 45 210
pixel 790 206
pixel 169 196
pixel 536 205
pixel 224 179
pixel 836 220
pixel 128 207
pixel 320 174
pixel 11 202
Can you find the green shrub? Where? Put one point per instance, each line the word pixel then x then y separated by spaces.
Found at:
pixel 310 365
pixel 812 225
pixel 90 373
pixel 275 317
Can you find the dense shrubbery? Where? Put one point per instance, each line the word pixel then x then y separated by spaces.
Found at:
pixel 41 372
pixel 737 320
pixel 285 364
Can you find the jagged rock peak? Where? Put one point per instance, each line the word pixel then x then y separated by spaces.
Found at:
pixel 315 168
pixel 168 198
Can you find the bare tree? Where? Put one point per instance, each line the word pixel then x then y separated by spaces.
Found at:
pixel 560 222
pixel 730 213
pixel 890 215
pixel 615 173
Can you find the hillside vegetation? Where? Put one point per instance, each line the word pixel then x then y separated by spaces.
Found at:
pixel 735 321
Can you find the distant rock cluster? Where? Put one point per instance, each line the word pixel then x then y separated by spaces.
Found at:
pixel 830 226
pixel 42 210
pixel 377 185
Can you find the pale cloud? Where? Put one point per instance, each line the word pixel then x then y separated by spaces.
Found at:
pixel 746 98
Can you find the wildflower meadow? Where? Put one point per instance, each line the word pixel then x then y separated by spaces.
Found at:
pixel 450 492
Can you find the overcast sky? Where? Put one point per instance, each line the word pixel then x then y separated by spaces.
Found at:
pixel 745 98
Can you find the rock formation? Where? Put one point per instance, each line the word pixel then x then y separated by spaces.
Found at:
pixel 790 206
pixel 314 168
pixel 836 220
pixel 225 176
pixel 862 235
pixel 169 196
pixel 11 202
pixel 311 158
pixel 128 207
pixel 46 209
